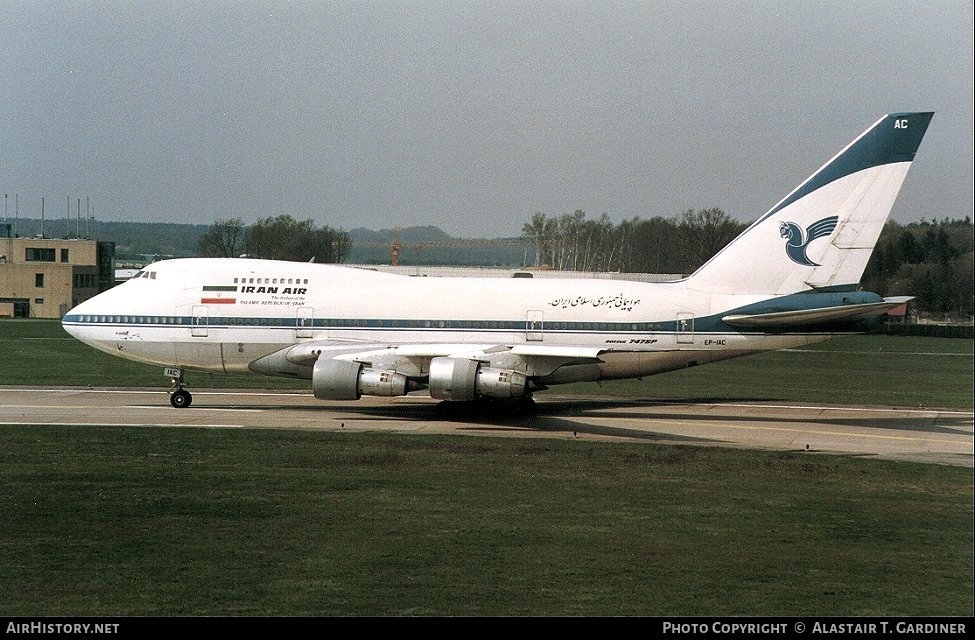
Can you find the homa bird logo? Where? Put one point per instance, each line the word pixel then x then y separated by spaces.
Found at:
pixel 797 241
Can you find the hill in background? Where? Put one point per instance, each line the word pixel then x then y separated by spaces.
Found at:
pixel 143 242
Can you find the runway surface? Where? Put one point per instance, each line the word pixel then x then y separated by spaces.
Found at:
pixel 925 435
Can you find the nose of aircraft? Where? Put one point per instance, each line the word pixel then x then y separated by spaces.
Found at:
pixel 116 300
pixel 73 323
pixel 79 309
pixel 81 320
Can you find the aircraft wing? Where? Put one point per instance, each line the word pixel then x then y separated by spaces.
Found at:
pixel 413 359
pixel 534 359
pixel 803 317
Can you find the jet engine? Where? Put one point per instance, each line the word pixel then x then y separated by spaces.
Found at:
pixel 348 380
pixel 465 380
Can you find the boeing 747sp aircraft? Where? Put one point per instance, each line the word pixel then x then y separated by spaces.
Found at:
pixel 788 280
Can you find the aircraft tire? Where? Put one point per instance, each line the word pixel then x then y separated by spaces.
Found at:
pixel 523 407
pixel 181 399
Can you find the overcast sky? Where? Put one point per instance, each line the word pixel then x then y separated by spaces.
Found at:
pixel 469 116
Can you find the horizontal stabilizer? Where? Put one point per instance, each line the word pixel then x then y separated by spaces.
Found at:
pixel 802 317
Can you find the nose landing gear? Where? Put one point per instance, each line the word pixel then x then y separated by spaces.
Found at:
pixel 179 397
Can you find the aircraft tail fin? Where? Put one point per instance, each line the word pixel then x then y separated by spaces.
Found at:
pixel 821 235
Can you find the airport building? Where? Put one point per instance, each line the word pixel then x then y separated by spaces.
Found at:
pixel 45 277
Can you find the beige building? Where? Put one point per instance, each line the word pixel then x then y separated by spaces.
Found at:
pixel 45 277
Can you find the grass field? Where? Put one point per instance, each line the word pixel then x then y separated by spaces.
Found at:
pixel 876 369
pixel 148 521
pixel 132 521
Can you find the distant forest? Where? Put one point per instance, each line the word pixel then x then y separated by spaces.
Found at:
pixel 932 260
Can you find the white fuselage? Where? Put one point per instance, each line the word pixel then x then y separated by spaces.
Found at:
pixel 222 315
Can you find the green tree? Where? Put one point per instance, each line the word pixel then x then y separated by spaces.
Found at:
pixel 654 247
pixel 224 239
pixel 704 233
pixel 284 238
pixel 929 260
pixel 964 290
pixel 535 231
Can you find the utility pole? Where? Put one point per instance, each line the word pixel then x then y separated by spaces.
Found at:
pixel 394 248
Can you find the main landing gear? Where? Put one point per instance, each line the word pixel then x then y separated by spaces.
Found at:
pixel 179 397
pixel 478 409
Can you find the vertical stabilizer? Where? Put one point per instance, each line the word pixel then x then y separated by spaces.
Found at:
pixel 822 234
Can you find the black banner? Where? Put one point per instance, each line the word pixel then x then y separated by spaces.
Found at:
pixel 669 626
